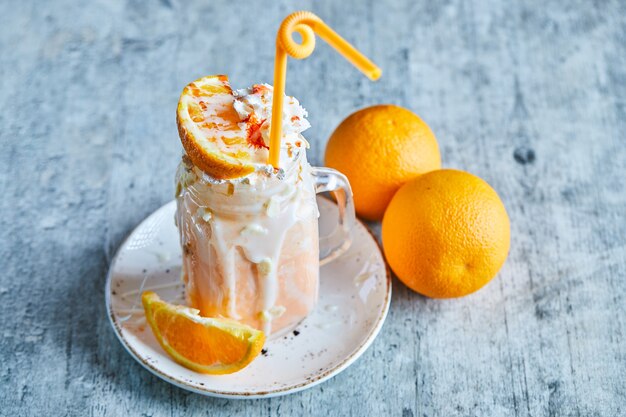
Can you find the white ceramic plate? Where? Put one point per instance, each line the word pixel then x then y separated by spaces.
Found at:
pixel 355 292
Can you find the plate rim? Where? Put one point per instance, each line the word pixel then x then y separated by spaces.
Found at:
pixel 349 360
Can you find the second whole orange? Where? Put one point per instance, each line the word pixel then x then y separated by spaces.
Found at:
pixel 380 148
pixel 446 234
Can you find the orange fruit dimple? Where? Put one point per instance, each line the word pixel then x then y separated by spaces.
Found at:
pixel 380 148
pixel 446 234
pixel 206 345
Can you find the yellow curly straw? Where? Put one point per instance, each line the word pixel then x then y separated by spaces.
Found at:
pixel 306 24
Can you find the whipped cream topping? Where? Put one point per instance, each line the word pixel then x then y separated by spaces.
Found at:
pixel 254 107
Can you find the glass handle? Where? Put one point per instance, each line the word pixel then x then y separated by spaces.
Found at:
pixel 338 241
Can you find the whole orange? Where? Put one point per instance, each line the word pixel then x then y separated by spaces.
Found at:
pixel 446 234
pixel 379 148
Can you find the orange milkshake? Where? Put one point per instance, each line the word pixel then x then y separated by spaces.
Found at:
pixel 250 243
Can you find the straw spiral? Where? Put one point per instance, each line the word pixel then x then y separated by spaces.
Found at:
pixel 304 23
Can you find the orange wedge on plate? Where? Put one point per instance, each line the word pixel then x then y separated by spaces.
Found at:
pixel 210 129
pixel 206 345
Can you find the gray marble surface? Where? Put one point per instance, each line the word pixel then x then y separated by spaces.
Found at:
pixel 531 96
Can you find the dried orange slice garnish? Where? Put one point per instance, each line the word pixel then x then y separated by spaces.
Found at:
pixel 206 345
pixel 211 130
